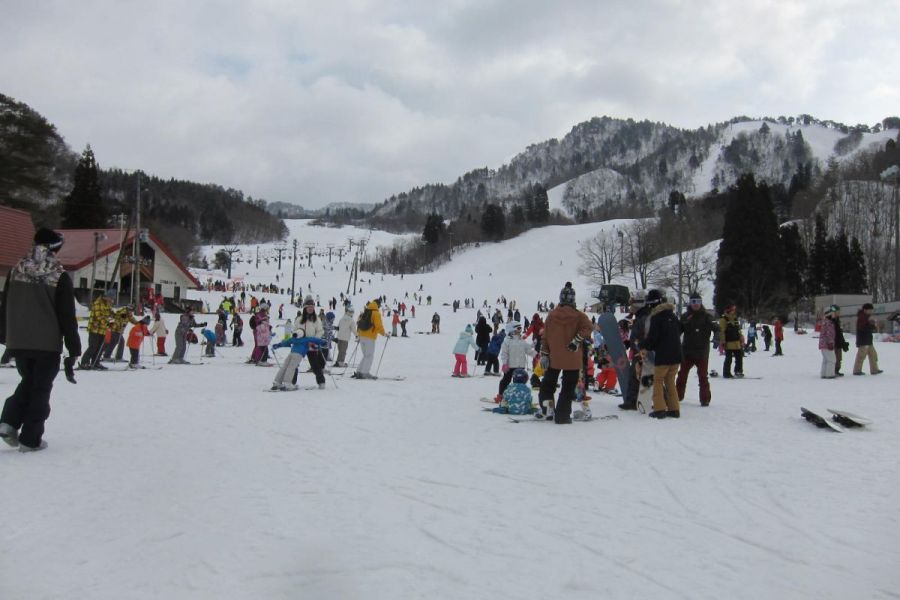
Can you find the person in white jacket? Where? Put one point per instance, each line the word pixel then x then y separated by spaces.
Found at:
pixel 311 326
pixel 514 354
pixel 346 329
pixel 159 331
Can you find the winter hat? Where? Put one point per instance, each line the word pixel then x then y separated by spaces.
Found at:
pixel 49 238
pixel 308 301
pixel 695 296
pixel 329 315
pixel 511 327
pixel 520 376
pixel 868 306
pixel 638 298
pixel 146 320
pixel 567 294
pixel 468 329
pixel 655 297
pixel 832 309
pixel 349 309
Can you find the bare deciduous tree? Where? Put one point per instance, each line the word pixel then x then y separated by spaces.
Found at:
pixel 642 246
pixel 599 256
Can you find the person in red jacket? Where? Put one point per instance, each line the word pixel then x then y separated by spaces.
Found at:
pixel 135 339
pixel 779 337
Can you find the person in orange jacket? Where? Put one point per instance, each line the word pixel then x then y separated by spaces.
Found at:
pixel 135 338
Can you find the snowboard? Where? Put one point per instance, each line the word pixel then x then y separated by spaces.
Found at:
pixel 645 381
pixel 848 419
pixel 609 327
pixel 819 421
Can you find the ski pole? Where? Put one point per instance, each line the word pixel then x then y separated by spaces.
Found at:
pixel 380 358
pixel 349 362
pixel 275 356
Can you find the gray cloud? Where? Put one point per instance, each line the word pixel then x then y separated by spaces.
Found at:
pixel 313 102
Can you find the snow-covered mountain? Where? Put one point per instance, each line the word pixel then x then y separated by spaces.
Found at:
pixel 607 161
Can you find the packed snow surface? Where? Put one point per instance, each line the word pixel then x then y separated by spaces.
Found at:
pixel 193 482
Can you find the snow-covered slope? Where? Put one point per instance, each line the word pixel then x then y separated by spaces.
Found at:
pixel 191 482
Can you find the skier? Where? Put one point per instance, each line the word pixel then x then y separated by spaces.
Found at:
pixel 160 331
pixel 865 348
pixel 210 338
pixel 300 347
pixel 565 330
pixel 345 329
pixel 491 359
pixel 312 327
pixel 185 323
pixel 237 325
pixel 698 326
pixel 465 341
pixel 369 327
pixel 767 336
pixel 98 321
pixel 436 323
pixel 482 339
pixel 36 318
pixel 136 339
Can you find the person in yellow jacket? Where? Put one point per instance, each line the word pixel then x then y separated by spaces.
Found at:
pixel 98 322
pixel 731 338
pixel 368 327
pixel 119 320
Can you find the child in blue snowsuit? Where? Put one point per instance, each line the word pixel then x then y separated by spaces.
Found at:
pixel 299 349
pixel 517 396
pixel 210 341
pixel 492 354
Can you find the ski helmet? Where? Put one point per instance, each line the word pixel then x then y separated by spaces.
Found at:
pixel 520 376
pixel 655 297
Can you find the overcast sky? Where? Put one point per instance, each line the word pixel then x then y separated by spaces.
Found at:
pixel 317 102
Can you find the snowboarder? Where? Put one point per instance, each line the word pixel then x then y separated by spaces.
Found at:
pixel 698 326
pixel 637 306
pixel 732 340
pixel 664 340
pixel 865 348
pixel 826 344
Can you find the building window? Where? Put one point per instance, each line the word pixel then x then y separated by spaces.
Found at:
pixel 177 295
pixel 82 282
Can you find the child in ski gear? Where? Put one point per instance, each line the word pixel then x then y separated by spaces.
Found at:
pixel 767 336
pixel 731 339
pixel 565 330
pixel 465 341
pixel 514 354
pixel 606 378
pixel 300 347
pixel 210 338
pixel 262 336
pixel 136 339
pixel 160 331
pixel 395 320
pixel 37 317
pixel 641 312
pixel 826 344
pixel 516 399
pixel 491 362
pixel 865 348
pixel 237 324
pixel 345 330
pixel 664 340
pixel 287 329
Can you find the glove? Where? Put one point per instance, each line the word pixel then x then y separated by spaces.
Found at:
pixel 545 361
pixel 647 381
pixel 846 347
pixel 69 368
pixel 829 346
pixel 573 345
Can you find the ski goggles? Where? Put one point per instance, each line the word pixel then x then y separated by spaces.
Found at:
pixel 696 301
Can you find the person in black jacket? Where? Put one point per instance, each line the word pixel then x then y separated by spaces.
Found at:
pixel 840 344
pixel 697 326
pixel 38 314
pixel 482 339
pixel 664 340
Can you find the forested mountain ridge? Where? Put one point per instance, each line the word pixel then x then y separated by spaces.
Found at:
pixel 37 174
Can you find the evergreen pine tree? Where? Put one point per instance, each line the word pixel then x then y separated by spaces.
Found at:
pixel 493 222
pixel 541 204
pixel 795 263
pixel 857 276
pixel 434 229
pixel 83 207
pixel 750 267
pixel 817 273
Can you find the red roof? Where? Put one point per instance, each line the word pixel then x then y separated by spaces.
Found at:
pixel 16 237
pixel 78 249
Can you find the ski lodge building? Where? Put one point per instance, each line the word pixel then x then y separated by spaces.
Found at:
pixel 95 253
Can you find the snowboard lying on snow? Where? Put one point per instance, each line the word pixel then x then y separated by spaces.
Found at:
pixel 839 419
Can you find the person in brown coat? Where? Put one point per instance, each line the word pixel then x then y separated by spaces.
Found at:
pixel 565 330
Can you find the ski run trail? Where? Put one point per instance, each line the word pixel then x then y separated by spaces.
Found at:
pixel 193 483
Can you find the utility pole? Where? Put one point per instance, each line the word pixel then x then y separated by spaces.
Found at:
pixel 309 248
pixel 97 238
pixel 257 257
pixel 294 272
pixel 136 266
pixel 279 250
pixel 230 251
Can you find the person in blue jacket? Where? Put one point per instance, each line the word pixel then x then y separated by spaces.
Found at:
pixel 517 396
pixel 210 341
pixel 492 364
pixel 299 349
pixel 466 340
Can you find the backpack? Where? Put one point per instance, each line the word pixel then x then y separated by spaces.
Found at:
pixel 364 323
pixel 732 332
